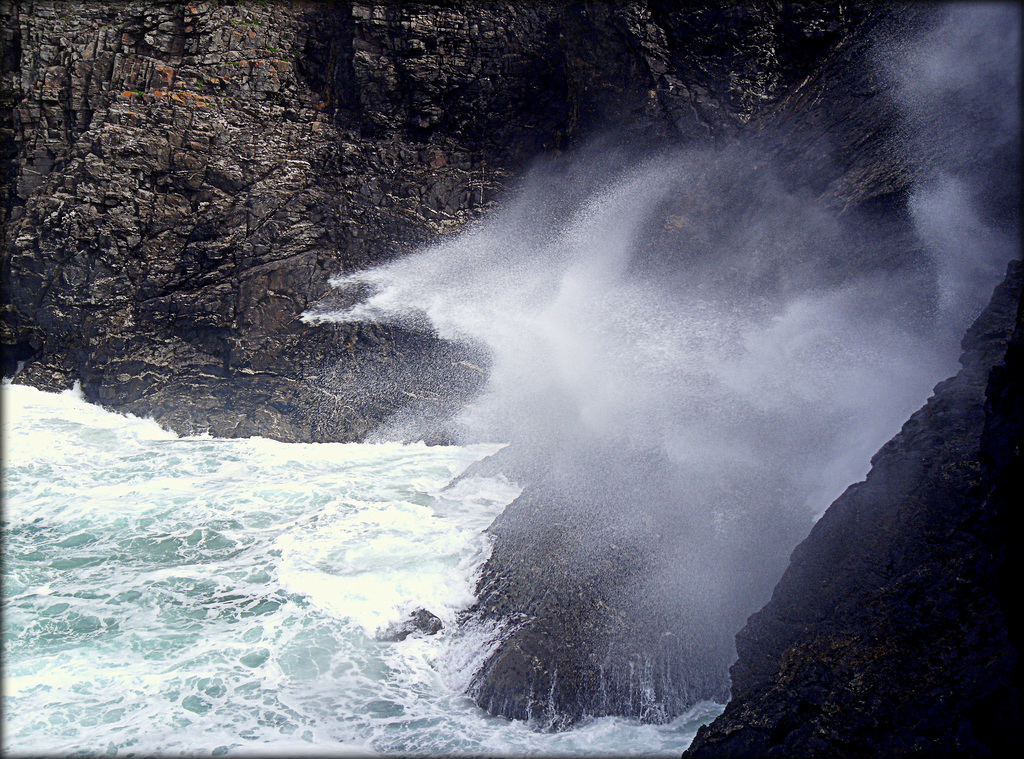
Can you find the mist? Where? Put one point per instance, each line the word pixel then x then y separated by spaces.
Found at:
pixel 691 357
pixel 957 83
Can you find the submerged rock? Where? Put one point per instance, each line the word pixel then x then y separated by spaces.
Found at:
pixel 894 631
pixel 420 620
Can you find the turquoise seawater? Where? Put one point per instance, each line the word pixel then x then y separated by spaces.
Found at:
pixel 208 596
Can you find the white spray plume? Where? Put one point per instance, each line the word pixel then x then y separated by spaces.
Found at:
pixel 690 352
pixel 714 367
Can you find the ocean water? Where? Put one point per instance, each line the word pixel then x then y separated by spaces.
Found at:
pixel 204 596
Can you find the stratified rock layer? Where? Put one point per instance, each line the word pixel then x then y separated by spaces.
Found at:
pixel 181 189
pixel 893 632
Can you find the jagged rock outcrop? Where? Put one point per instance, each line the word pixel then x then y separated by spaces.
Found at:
pixel 181 195
pixel 894 630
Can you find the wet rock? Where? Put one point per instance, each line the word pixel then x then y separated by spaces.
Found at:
pixel 421 621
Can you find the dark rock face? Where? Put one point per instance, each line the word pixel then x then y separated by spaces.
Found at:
pixel 893 632
pixel 586 634
pixel 180 193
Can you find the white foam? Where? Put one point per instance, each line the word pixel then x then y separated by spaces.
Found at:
pixel 70 407
pixel 173 594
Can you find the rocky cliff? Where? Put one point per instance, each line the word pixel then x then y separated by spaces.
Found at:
pixel 182 179
pixel 894 630
pixel 180 193
pixel 619 645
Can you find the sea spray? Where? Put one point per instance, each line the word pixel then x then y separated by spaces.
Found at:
pixel 691 359
pixel 957 83
pixel 590 341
